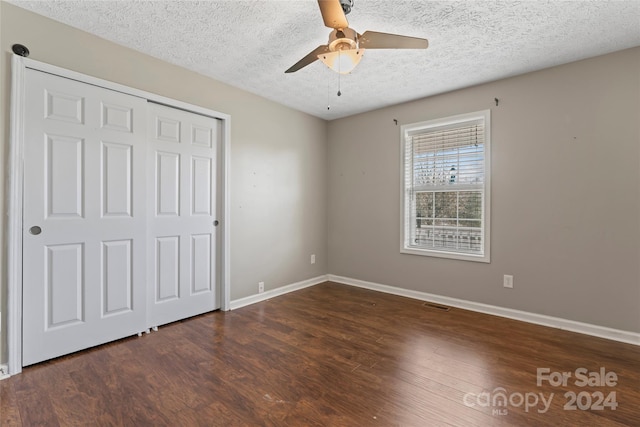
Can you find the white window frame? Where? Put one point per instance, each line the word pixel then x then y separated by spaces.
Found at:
pixel 406 190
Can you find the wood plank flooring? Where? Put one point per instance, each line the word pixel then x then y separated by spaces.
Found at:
pixel 329 355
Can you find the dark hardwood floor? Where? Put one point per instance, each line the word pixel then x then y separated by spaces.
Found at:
pixel 332 355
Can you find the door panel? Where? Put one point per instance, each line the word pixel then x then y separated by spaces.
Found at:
pixel 182 175
pixel 201 263
pixel 64 107
pixel 117 284
pixel 117 183
pixel 168 184
pixel 64 285
pixel 84 274
pixel 117 117
pixel 201 192
pixel 64 164
pixel 168 268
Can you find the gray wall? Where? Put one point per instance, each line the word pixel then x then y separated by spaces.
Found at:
pixel 565 194
pixel 278 161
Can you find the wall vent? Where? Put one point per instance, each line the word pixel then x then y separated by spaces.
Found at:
pixel 436 306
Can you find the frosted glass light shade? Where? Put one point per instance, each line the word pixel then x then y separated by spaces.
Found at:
pixel 342 61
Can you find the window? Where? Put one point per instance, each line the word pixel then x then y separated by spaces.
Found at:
pixel 445 207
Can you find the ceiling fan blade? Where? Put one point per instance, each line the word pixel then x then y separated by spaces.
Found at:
pixel 332 14
pixel 311 57
pixel 375 40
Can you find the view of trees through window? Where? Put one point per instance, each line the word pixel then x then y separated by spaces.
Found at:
pixel 451 219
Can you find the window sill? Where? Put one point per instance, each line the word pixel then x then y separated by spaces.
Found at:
pixel 448 255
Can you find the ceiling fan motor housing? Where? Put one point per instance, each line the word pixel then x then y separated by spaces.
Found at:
pixel 346 6
pixel 343 40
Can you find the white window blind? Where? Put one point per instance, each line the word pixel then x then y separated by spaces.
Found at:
pixel 445 190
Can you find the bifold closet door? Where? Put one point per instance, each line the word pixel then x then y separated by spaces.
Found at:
pixel 182 275
pixel 84 241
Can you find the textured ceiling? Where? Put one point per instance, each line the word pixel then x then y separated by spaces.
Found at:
pixel 248 44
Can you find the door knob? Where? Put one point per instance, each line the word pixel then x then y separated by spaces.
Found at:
pixel 215 223
pixel 35 230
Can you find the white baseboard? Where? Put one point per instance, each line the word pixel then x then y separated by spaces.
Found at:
pixel 538 319
pixel 252 299
pixel 4 372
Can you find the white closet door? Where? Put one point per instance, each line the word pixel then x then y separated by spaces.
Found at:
pixel 182 207
pixel 84 216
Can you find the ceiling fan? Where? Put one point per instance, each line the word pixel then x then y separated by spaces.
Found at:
pixel 346 46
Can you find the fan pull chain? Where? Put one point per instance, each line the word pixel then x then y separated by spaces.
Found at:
pixel 339 71
pixel 329 89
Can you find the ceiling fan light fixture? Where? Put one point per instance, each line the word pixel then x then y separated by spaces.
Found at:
pixel 342 61
pixel 346 47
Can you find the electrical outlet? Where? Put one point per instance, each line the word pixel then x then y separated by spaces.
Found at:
pixel 508 281
pixel 313 258
pixel 260 287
